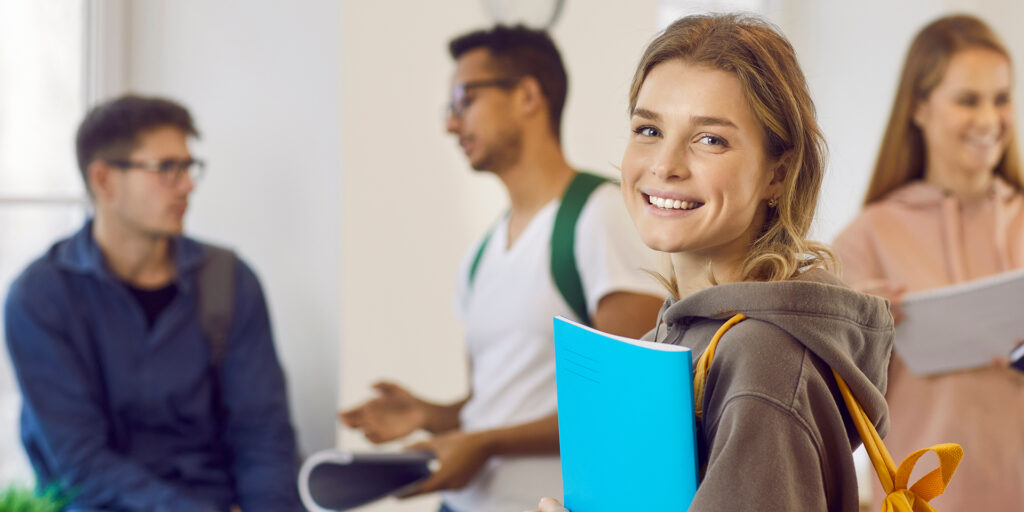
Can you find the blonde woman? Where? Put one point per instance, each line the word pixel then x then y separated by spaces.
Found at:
pixel 722 171
pixel 945 206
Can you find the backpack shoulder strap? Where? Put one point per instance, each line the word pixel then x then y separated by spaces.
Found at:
pixel 483 248
pixel 700 370
pixel 479 255
pixel 216 292
pixel 564 270
pixel 899 498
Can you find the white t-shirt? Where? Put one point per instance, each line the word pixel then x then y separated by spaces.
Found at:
pixel 508 314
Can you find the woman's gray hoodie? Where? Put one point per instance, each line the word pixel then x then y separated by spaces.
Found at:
pixel 776 435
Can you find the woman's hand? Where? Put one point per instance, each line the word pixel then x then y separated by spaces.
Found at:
pixel 550 505
pixel 886 290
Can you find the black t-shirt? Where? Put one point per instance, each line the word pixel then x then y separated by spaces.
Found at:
pixel 153 301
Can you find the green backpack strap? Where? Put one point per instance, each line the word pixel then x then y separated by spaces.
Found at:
pixel 563 242
pixel 564 271
pixel 480 253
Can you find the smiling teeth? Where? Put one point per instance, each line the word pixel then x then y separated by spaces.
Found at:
pixel 673 204
pixel 987 141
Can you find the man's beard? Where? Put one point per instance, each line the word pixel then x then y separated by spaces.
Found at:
pixel 503 154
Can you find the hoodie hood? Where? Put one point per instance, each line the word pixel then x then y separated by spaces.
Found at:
pixel 956 224
pixel 850 331
pixel 922 194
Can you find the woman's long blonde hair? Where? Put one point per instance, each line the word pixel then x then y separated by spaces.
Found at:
pixel 766 66
pixel 902 156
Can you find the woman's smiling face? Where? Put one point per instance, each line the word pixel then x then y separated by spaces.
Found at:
pixel 695 173
pixel 967 118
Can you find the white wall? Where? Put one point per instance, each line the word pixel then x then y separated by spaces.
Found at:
pixel 262 78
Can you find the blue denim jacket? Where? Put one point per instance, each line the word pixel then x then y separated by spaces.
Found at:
pixel 123 416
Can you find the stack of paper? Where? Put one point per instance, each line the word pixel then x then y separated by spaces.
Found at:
pixel 962 326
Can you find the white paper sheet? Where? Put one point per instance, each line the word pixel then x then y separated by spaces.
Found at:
pixel 962 326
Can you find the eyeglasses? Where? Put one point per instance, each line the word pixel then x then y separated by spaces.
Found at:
pixel 169 171
pixel 461 101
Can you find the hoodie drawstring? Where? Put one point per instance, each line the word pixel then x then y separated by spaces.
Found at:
pixel 1003 216
pixel 954 238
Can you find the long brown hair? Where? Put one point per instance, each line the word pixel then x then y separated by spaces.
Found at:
pixel 902 156
pixel 766 66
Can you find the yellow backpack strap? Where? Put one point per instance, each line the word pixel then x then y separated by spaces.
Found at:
pixel 700 370
pixel 895 479
pixel 899 498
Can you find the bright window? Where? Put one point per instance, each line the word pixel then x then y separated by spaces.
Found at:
pixel 42 98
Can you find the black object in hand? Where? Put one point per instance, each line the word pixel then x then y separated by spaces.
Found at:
pixel 334 480
pixel 1017 357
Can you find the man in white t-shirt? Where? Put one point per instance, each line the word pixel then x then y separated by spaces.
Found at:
pixel 498 447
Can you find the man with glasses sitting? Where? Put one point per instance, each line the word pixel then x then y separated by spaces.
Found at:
pixel 498 447
pixel 145 359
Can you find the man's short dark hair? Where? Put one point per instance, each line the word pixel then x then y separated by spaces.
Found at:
pixel 520 51
pixel 112 128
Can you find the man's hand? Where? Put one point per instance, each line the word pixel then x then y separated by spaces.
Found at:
pixel 550 505
pixel 1004 362
pixel 461 456
pixel 393 414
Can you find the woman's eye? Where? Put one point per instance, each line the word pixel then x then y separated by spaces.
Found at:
pixel 647 131
pixel 1002 99
pixel 968 101
pixel 711 140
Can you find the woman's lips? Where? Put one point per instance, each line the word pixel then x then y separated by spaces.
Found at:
pixel 664 203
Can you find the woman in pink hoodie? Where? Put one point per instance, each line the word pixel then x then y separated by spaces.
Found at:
pixel 945 206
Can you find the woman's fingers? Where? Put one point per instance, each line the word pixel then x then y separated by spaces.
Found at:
pixel 551 505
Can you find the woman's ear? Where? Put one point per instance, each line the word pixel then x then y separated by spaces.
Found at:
pixel 779 170
pixel 920 114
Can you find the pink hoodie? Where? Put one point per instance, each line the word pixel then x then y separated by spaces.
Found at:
pixel 921 238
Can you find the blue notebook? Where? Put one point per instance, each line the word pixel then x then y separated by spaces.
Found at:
pixel 625 422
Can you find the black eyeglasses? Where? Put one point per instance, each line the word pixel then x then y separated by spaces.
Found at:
pixel 461 101
pixel 170 170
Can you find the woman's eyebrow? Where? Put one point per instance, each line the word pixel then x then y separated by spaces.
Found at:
pixel 651 115
pixel 711 121
pixel 646 114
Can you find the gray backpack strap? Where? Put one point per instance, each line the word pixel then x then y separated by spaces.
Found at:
pixel 216 290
